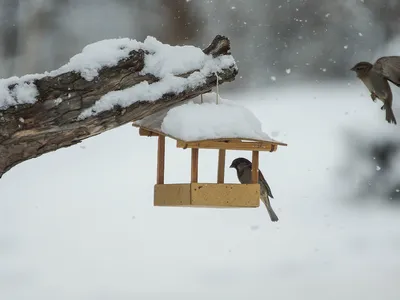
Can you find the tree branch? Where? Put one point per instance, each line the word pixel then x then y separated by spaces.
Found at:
pixel 52 122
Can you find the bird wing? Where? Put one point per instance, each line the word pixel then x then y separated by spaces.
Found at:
pixel 264 182
pixel 389 67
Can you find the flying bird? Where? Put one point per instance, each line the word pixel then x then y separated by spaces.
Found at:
pixel 376 76
pixel 243 171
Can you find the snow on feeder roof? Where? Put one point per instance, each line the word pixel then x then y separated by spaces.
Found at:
pixel 224 124
pixel 207 122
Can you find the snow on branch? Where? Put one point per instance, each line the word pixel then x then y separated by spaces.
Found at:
pixel 110 83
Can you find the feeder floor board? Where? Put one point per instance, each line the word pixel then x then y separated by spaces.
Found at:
pixel 212 195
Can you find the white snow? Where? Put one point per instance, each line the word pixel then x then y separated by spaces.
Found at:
pixel 167 59
pixel 163 61
pixel 24 91
pixel 209 120
pixel 104 53
pixel 166 62
pixel 103 237
pixel 57 101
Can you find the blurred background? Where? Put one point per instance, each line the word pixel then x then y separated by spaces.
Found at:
pixel 297 40
pixel 83 225
pixel 313 38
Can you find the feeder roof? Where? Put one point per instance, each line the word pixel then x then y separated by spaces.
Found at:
pixel 195 121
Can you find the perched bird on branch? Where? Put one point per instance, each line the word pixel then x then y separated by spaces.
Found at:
pixel 243 170
pixel 376 76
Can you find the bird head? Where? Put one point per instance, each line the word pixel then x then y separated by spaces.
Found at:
pixel 361 68
pixel 239 163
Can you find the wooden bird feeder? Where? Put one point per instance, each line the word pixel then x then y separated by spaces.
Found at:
pixel 196 194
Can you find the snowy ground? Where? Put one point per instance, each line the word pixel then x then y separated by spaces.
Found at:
pixel 79 223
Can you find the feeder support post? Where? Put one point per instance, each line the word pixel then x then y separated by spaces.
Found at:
pixel 161 159
pixel 221 165
pixel 195 165
pixel 254 169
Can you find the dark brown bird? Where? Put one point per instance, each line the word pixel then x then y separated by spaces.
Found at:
pixel 243 171
pixel 376 76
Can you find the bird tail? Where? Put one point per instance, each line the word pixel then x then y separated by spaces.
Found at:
pixel 264 183
pixel 390 115
pixel 272 214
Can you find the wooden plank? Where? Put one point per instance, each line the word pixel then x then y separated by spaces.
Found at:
pixel 161 159
pixel 145 132
pixel 255 163
pixel 228 145
pixel 214 195
pixel 221 166
pixel 195 165
pixel 172 194
pixel 207 195
pixel 242 140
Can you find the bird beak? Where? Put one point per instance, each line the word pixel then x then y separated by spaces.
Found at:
pixel 231 166
pixel 352 69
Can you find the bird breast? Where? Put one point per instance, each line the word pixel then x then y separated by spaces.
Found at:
pixel 245 176
pixel 377 84
pixel 368 83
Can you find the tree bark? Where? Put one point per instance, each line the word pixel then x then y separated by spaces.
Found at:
pixel 30 130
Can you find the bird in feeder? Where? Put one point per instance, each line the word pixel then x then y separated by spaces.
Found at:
pixel 244 173
pixel 198 125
